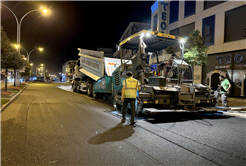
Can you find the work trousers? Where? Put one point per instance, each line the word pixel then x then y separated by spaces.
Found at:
pixel 132 103
pixel 224 99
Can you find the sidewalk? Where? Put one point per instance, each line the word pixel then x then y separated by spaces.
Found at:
pixel 237 105
pixel 12 98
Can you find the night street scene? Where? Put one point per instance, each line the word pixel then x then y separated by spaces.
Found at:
pixel 158 83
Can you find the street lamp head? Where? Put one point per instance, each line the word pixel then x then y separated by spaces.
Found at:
pixel 40 49
pixel 44 10
pixel 182 41
pixel 16 46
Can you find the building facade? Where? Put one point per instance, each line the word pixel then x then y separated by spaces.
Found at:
pixel 68 70
pixel 223 26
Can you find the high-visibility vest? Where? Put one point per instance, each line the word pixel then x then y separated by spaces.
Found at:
pixel 131 86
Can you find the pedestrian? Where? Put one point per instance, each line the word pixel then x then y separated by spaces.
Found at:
pixel 128 95
pixel 224 90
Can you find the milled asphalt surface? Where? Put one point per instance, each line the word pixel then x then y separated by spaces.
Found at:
pixel 46 125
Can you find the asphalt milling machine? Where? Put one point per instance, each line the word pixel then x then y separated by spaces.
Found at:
pixel 166 86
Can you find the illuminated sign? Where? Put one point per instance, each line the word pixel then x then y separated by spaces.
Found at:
pixel 154 7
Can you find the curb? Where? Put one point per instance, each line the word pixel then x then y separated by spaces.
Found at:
pixel 13 98
pixel 238 109
pixel 239 115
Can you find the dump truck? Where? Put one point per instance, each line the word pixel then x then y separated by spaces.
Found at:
pixel 170 87
pixel 95 69
pixel 77 76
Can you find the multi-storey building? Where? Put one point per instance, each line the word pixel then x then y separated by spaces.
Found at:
pixel 223 26
pixel 68 70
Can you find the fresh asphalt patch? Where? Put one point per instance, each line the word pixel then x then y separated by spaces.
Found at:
pixel 172 117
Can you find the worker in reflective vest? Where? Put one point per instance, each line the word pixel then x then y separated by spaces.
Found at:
pixel 128 95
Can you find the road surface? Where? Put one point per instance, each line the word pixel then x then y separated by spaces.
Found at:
pixel 46 125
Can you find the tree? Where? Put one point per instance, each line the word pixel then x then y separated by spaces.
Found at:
pixel 170 50
pixel 27 68
pixel 18 63
pixel 9 55
pixel 195 51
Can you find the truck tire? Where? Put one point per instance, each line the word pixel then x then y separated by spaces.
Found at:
pixel 95 95
pixel 78 89
pixel 75 86
pixel 89 90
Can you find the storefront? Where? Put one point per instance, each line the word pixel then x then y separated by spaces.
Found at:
pixel 232 65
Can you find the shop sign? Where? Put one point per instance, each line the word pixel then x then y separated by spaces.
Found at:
pixel 162 8
pixel 239 60
pixel 163 22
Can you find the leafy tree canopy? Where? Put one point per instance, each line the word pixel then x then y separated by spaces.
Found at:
pixel 9 55
pixel 195 51
pixel 27 68
pixel 170 50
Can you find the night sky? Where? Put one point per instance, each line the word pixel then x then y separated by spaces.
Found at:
pixel 71 25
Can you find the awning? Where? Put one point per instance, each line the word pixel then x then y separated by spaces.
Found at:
pixel 89 74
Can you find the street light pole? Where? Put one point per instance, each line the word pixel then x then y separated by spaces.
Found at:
pixel 17 22
pixel 19 26
pixel 19 31
pixel 28 54
pixel 35 65
pixel 40 49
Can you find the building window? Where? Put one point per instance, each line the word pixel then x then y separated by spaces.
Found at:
pixel 190 8
pixel 235 28
pixel 208 30
pixel 174 11
pixel 183 31
pixel 155 22
pixel 209 4
pixel 175 32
